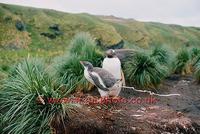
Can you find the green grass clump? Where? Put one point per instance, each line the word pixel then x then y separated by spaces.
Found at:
pixel 144 71
pixel 69 71
pixel 196 63
pixel 81 40
pixel 197 72
pixel 162 55
pixel 195 55
pixel 19 108
pixel 195 52
pixel 182 63
pixel 84 47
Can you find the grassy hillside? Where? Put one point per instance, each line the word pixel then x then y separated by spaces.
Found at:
pixel 59 28
pixel 150 33
pixel 37 32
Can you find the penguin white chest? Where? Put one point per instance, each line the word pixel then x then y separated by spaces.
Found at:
pixel 113 65
pixel 87 76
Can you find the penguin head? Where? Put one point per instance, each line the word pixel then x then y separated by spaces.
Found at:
pixel 110 53
pixel 87 65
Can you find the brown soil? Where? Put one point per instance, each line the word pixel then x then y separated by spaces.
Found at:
pixel 152 115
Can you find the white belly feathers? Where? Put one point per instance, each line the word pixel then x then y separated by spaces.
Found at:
pixel 113 65
pixel 87 76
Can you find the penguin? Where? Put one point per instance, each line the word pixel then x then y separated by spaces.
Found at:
pixel 106 83
pixel 112 64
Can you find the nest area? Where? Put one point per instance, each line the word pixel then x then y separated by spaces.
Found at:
pixel 125 119
pixel 168 115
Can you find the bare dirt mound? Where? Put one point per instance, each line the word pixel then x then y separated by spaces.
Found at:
pixel 146 120
pixel 139 113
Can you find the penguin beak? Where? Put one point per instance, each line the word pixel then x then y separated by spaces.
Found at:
pixel 81 62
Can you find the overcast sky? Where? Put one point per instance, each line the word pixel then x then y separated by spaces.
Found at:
pixel 184 12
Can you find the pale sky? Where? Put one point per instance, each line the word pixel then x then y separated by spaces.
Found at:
pixel 183 12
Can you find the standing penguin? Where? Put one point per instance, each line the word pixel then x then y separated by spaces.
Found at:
pixel 113 65
pixel 105 82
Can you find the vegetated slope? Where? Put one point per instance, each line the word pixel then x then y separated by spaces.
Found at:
pixel 43 26
pixel 152 33
pixel 47 33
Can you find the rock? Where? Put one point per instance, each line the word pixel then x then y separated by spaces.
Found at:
pixel 20 26
pixel 99 42
pixel 183 82
pixel 119 45
pixel 124 54
pixel 55 31
pixel 7 18
pixel 49 35
pixel 179 114
pixel 134 128
pixel 54 27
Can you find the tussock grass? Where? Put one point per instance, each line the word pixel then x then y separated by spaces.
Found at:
pixel 144 71
pixel 182 63
pixel 84 47
pixel 195 56
pixel 19 108
pixel 69 73
pixel 162 55
pixel 197 72
pixel 195 52
pixel 79 41
pixel 68 69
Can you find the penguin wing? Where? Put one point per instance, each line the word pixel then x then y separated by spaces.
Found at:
pixel 98 81
pixel 107 78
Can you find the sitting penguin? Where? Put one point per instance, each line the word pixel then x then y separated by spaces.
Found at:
pixel 113 65
pixel 106 83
